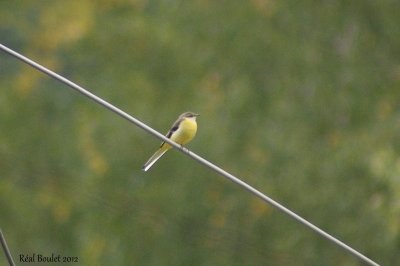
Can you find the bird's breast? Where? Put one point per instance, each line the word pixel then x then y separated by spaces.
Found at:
pixel 186 131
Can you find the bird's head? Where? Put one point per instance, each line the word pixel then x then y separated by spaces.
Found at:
pixel 189 115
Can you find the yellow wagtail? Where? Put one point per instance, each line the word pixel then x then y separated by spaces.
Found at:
pixel 182 131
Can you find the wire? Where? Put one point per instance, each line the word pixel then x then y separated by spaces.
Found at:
pixel 6 250
pixel 190 154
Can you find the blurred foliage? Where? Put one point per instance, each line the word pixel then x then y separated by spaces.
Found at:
pixel 300 98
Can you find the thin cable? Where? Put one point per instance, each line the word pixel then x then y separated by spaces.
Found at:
pixel 6 249
pixel 191 154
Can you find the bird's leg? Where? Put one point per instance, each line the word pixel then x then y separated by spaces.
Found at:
pixel 184 148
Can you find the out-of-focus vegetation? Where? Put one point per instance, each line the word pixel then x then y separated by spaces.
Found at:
pixel 300 98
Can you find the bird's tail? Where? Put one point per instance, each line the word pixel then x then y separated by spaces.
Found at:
pixel 154 158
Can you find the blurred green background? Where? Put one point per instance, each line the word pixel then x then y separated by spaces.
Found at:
pixel 299 98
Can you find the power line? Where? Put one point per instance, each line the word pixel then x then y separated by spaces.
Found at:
pixel 6 250
pixel 190 154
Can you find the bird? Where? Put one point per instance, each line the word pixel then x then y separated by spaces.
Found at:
pixel 182 132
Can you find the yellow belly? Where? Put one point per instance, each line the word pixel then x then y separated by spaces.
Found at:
pixel 186 131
